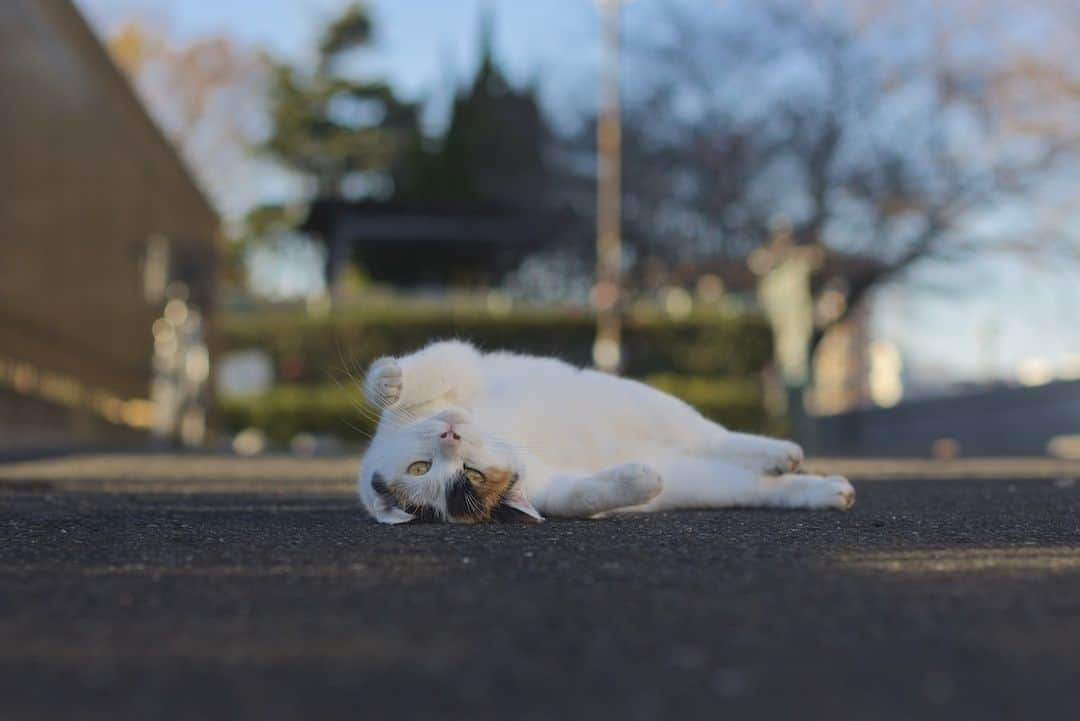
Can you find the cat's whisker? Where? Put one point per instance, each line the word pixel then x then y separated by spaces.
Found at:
pixel 363 432
pixel 361 407
pixel 406 413
pixel 373 413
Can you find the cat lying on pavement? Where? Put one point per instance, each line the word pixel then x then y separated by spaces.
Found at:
pixel 467 437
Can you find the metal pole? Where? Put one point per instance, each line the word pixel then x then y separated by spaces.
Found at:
pixel 607 351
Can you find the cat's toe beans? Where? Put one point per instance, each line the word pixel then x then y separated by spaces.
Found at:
pixel 384 382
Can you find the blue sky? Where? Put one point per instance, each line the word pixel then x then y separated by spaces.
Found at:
pixel 422 46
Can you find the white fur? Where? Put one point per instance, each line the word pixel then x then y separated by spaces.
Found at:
pixel 583 443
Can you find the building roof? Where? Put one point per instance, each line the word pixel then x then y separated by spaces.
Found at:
pixel 455 242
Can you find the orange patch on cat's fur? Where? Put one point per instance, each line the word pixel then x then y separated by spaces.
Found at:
pixel 497 481
pixel 487 493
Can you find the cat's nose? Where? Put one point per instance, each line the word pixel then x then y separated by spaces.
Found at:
pixel 450 435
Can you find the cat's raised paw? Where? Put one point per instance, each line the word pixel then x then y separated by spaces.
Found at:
pixel 383 383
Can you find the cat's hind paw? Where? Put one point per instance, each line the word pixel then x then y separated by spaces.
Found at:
pixel 383 383
pixel 821 492
pixel 843 493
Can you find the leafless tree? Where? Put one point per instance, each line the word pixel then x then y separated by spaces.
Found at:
pixel 874 136
pixel 209 97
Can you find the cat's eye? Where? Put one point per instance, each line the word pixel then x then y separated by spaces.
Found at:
pixel 418 468
pixel 473 475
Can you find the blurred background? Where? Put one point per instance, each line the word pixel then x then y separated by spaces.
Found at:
pixel 854 223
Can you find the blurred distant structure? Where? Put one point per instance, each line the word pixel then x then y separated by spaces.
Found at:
pixel 798 290
pixel 494 150
pixel 873 136
pixel 463 208
pixel 607 291
pixel 101 228
pixel 995 422
pixel 842 367
pixel 426 245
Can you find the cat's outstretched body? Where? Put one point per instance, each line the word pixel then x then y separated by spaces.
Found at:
pixel 467 436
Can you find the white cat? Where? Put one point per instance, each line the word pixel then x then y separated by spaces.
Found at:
pixel 467 436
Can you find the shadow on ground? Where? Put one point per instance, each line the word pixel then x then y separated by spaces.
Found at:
pixel 948 600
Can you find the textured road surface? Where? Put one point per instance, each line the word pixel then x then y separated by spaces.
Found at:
pixel 134 591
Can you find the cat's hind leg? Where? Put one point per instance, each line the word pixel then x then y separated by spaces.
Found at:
pixel 571 495
pixel 692 482
pixel 759 454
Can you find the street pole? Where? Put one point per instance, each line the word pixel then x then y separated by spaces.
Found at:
pixel 607 350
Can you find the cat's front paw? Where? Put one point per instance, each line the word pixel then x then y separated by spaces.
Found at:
pixel 383 383
pixel 636 483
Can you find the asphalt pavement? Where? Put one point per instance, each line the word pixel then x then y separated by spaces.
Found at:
pixel 187 588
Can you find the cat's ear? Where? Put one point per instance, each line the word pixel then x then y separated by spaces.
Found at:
pixel 515 508
pixel 393 515
pixel 386 509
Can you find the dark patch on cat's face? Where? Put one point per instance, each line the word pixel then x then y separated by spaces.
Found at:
pixel 462 500
pixel 466 501
pixel 482 501
pixel 378 483
pixel 422 514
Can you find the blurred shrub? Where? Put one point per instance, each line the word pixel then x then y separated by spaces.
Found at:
pixel 735 403
pixel 294 408
pixel 291 408
pixel 713 362
pixel 306 349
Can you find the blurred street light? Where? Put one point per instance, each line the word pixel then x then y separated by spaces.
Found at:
pixel 607 351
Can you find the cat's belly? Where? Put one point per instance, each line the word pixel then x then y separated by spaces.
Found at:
pixel 579 420
pixel 569 440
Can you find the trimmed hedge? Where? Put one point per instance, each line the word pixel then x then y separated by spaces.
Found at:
pixel 734 403
pixel 289 409
pixel 714 362
pixel 309 350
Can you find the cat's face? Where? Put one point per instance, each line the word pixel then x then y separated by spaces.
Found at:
pixel 442 468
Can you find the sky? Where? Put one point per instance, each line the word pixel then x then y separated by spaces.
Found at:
pixel 977 320
pixel 421 46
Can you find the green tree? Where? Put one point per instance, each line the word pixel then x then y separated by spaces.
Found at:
pixel 332 127
pixel 493 149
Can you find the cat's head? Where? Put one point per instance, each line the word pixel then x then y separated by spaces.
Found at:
pixel 441 468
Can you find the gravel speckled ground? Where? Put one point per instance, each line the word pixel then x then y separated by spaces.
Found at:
pixel 191 591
